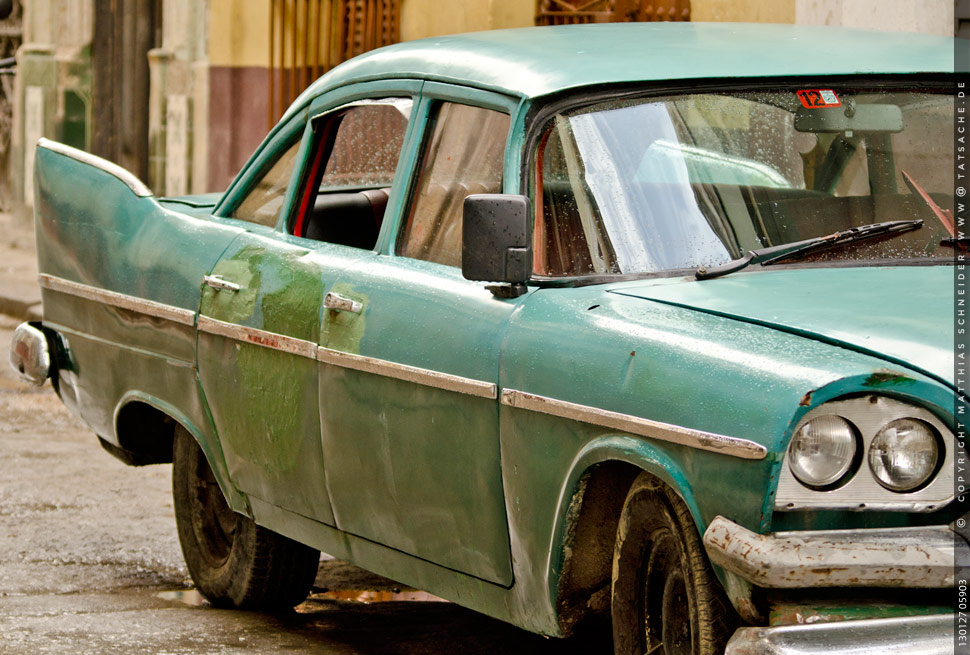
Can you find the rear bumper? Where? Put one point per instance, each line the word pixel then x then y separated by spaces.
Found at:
pixel 912 635
pixel 30 354
pixel 919 558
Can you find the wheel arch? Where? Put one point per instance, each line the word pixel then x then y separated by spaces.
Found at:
pixel 145 427
pixel 581 553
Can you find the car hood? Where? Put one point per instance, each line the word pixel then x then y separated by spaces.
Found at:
pixel 901 314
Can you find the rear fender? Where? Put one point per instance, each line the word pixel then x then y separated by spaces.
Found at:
pixel 209 444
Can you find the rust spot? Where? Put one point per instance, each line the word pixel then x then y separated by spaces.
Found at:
pixel 633 353
pixel 886 379
pixel 806 400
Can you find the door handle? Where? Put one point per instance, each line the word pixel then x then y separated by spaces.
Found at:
pixel 218 283
pixel 338 303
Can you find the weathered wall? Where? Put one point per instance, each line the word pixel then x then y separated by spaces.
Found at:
pixel 425 18
pixel 927 16
pixel 238 85
pixel 743 11
pixel 53 63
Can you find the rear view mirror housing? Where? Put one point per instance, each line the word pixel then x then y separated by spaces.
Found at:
pixel 850 118
pixel 495 243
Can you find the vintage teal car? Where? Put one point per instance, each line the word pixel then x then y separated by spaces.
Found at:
pixel 647 321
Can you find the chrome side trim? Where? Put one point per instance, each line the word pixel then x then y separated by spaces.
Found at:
pixel 918 557
pixel 342 359
pixel 718 443
pixel 263 338
pixel 907 635
pixel 407 373
pixel 124 301
pixel 137 186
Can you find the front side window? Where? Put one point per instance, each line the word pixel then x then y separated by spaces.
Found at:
pixel 696 180
pixel 263 203
pixel 464 156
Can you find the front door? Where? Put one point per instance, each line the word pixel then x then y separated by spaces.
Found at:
pixel 408 398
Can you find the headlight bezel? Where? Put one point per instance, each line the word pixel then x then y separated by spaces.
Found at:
pixel 860 490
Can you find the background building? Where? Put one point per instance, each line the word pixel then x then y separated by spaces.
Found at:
pixel 182 91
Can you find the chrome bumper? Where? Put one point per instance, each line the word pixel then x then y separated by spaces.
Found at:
pixel 921 557
pixel 911 635
pixel 29 355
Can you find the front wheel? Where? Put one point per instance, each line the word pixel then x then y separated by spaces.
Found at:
pixel 666 599
pixel 233 562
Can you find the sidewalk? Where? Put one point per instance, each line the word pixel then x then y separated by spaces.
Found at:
pixel 19 291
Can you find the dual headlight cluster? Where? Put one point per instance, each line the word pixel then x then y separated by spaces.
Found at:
pixel 827 451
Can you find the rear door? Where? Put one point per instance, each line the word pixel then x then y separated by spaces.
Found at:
pixel 259 324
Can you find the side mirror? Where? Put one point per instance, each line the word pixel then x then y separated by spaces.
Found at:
pixel 495 243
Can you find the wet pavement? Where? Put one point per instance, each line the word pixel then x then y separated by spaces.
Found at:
pixel 90 564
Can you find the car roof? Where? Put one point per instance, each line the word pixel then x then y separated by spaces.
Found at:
pixel 537 61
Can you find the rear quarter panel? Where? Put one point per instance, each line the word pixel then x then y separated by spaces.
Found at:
pixel 93 231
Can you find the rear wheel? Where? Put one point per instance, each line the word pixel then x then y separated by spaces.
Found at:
pixel 233 562
pixel 666 600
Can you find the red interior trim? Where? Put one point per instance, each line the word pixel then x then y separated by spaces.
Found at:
pixel 310 190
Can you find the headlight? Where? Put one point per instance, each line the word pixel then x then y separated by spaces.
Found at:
pixel 822 451
pixel 903 454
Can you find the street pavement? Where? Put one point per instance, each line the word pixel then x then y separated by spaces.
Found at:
pixel 90 562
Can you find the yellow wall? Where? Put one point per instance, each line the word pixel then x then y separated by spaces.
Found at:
pixel 239 33
pixel 424 18
pixel 743 11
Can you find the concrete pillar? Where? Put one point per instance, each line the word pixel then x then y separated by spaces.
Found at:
pixel 52 89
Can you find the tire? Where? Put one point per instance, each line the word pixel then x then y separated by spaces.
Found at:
pixel 233 562
pixel 665 597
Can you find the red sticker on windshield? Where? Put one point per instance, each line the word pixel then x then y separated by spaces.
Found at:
pixel 813 98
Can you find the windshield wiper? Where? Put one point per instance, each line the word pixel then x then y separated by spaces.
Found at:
pixel 772 254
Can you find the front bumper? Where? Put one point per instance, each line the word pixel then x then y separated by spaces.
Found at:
pixel 903 558
pixel 920 557
pixel 911 635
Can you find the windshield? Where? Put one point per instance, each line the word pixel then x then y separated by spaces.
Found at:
pixel 678 182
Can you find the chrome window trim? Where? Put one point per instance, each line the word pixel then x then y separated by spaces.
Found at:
pixel 120 300
pixel 137 186
pixel 643 427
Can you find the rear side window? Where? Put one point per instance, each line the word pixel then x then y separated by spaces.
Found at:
pixel 367 145
pixel 464 156
pixel 355 154
pixel 263 203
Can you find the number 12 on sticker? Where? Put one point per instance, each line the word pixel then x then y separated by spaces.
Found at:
pixel 812 98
